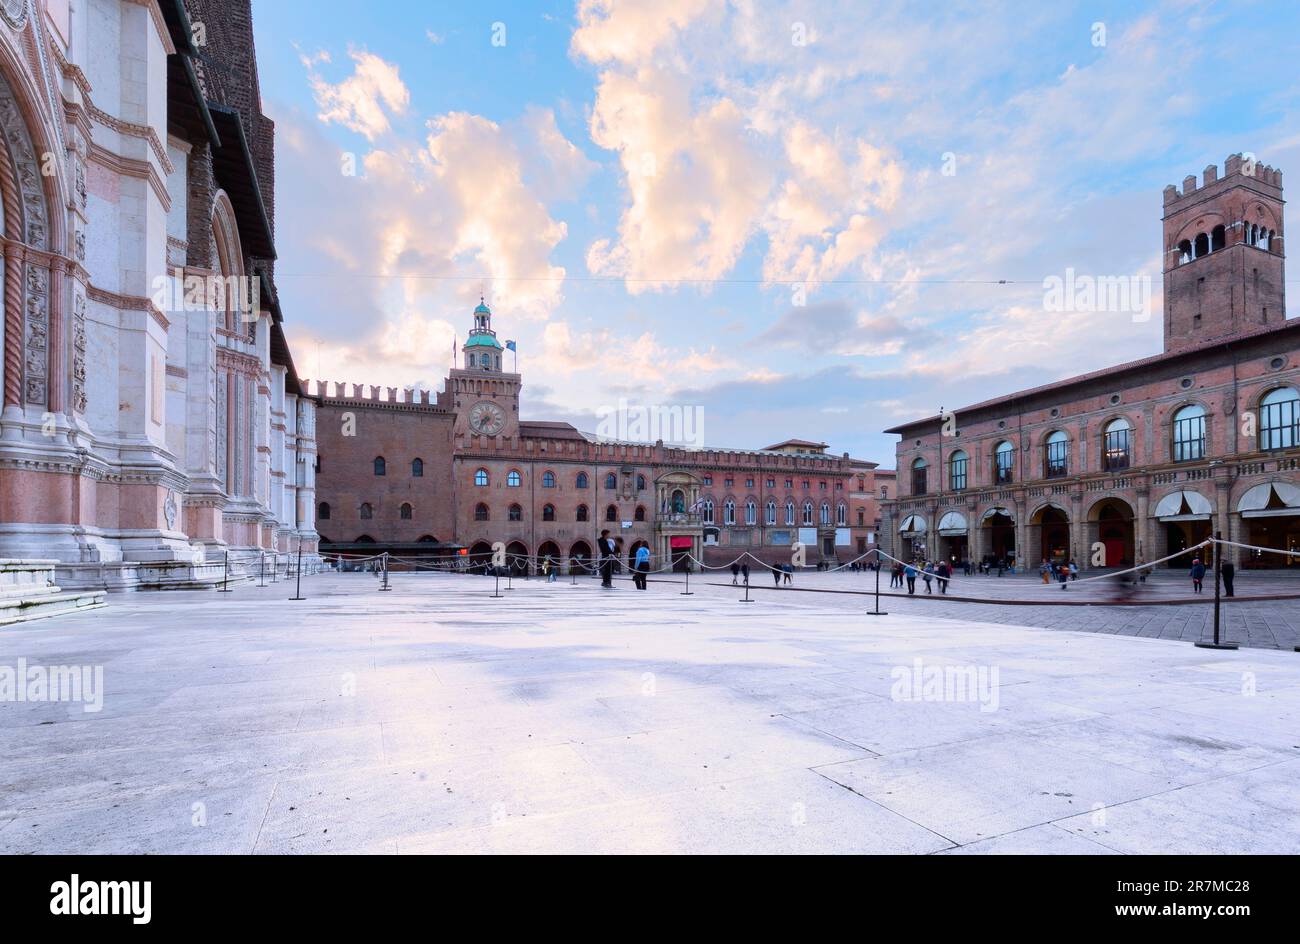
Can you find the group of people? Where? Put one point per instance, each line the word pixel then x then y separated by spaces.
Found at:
pixel 607 552
pixel 1062 572
pixel 928 571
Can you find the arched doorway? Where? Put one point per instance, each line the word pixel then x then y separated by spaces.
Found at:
pixel 1111 526
pixel 480 556
pixel 517 558
pixel 999 537
pixel 1186 517
pixel 580 557
pixel 549 550
pixel 1053 526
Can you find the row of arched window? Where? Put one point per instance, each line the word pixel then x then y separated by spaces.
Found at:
pixel 365 512
pixel 515 512
pixel 1204 244
pixel 417 467
pixel 483 478
pixel 1278 427
pixel 810 514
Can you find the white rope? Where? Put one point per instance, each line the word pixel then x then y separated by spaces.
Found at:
pixel 1252 547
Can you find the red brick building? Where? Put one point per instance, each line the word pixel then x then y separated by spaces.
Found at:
pixel 1146 458
pixel 414 474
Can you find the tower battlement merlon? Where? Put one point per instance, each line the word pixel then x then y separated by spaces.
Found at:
pixel 367 393
pixel 1237 166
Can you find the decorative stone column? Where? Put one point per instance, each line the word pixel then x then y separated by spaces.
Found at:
pixel 1142 525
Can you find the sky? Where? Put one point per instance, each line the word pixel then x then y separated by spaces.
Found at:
pixel 811 219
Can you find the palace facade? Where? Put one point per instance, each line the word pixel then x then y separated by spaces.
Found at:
pixel 459 471
pixel 152 417
pixel 1144 459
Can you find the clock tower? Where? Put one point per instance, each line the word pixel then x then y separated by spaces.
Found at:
pixel 486 398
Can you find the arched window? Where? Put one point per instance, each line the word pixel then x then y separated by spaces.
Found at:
pixel 640 483
pixel 729 512
pixel 512 479
pixel 381 467
pixel 919 485
pixel 581 480
pixel 516 513
pixel 405 511
pixel 639 514
pixel 807 513
pixel 548 479
pixel 771 512
pixel 862 517
pixel 481 477
pixel 957 470
pixel 1218 238
pixel 1189 433
pixel 1056 455
pixel 1004 457
pixel 707 509
pixel 1279 419
pixel 611 481
pixel 366 511
pixel 548 512
pixel 1201 246
pixel 826 513
pixel 611 513
pixel 1185 251
pixel 1268 241
pixel 417 468
pixel 1116 454
pixel 841 514
pixel 582 513
pixel 1252 234
pixel 481 512
pixel 789 512
pixel 323 511
pixel 751 512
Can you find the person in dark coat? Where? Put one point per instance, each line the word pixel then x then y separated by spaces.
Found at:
pixel 735 574
pixel 1229 572
pixel 605 548
pixel 776 575
pixel 1197 575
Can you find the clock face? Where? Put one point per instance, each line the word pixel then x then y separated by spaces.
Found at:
pixel 487 418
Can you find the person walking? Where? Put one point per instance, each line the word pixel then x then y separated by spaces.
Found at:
pixel 909 572
pixel 546 569
pixel 944 572
pixel 605 548
pixel 1045 571
pixel 642 566
pixel 744 573
pixel 1197 574
pixel 735 574
pixel 927 574
pixel 1074 570
pixel 776 575
pixel 1063 575
pixel 789 573
pixel 1229 572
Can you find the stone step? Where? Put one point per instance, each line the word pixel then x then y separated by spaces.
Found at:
pixel 39 606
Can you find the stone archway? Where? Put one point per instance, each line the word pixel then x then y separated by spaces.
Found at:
pixel 1050 525
pixel 1111 524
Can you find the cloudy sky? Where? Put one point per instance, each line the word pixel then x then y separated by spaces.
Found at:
pixel 815 219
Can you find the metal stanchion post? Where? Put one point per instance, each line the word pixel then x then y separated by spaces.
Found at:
pixel 385 586
pixel 496 586
pixel 687 592
pixel 261 570
pixel 297 593
pixel 877 610
pixel 747 599
pixel 1218 576
pixel 225 575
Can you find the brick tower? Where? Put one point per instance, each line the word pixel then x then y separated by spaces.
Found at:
pixel 1223 266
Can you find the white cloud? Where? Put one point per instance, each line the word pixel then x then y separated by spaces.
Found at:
pixel 363 101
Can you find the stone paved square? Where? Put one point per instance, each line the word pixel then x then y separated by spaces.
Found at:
pixel 565 718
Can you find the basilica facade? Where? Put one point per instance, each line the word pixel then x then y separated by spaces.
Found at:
pixel 152 417
pixel 455 473
pixel 1144 459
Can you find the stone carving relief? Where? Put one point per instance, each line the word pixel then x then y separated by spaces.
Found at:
pixel 15 13
pixel 36 336
pixel 79 352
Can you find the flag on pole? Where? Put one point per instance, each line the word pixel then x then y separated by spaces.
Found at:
pixel 510 346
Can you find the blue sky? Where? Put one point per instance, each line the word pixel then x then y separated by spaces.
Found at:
pixel 794 214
